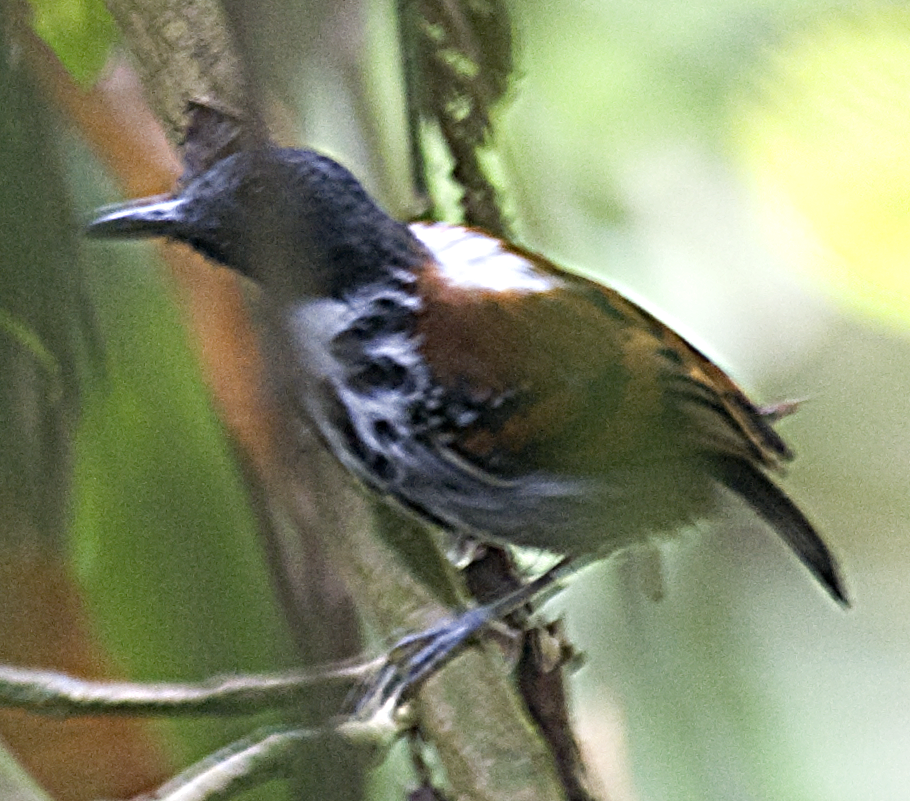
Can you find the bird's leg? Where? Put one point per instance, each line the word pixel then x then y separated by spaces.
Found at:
pixel 416 657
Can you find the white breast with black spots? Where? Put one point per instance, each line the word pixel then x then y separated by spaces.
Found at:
pixel 362 377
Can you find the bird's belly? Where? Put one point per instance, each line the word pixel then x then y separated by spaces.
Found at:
pixel 579 517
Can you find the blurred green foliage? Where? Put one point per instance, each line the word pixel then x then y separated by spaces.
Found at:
pixel 162 534
pixel 44 328
pixel 825 136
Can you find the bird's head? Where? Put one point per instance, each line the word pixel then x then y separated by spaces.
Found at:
pixel 276 215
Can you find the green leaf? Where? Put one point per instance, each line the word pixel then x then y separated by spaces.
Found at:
pixel 80 32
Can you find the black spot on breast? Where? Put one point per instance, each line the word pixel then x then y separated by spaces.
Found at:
pixel 355 445
pixel 389 315
pixel 384 432
pixel 348 345
pixel 380 312
pixel 380 373
pixel 367 448
pixel 381 467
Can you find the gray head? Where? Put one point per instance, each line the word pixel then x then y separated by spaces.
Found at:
pixel 276 215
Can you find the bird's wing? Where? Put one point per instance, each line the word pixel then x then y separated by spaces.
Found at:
pixel 563 370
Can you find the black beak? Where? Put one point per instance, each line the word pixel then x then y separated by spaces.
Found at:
pixel 154 216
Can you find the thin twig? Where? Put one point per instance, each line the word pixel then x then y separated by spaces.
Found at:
pixel 58 694
pixel 265 755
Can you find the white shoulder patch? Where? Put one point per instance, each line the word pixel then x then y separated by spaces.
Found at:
pixel 474 260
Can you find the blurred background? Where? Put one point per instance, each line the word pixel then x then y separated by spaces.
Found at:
pixel 741 168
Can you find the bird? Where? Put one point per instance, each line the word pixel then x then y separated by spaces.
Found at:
pixel 473 382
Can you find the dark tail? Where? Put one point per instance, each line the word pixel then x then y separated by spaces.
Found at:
pixel 770 502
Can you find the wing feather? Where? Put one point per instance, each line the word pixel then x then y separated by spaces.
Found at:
pixel 595 379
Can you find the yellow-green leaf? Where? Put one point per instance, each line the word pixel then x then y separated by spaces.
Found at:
pixel 80 32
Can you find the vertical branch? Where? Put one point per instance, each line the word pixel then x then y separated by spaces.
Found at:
pixel 408 34
pixel 182 51
pixel 458 61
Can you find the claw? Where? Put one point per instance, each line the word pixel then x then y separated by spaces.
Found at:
pixel 416 657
